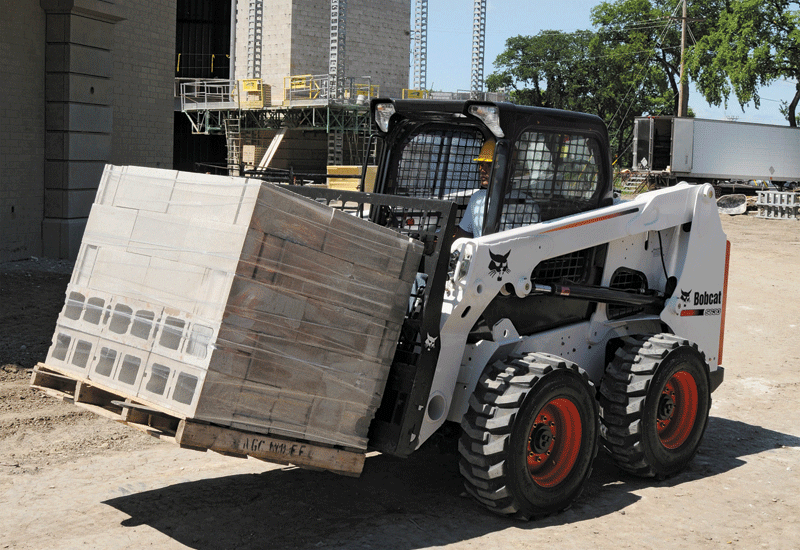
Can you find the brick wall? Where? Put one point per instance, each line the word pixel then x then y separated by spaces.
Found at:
pixel 22 30
pixel 296 41
pixel 143 81
pixel 311 36
pixel 378 43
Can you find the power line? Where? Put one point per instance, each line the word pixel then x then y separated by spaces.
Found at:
pixel 641 70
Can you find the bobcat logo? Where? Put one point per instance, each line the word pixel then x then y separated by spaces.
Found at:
pixel 430 342
pixel 498 266
pixel 686 296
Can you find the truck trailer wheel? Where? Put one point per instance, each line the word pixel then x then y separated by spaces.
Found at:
pixel 654 401
pixel 530 436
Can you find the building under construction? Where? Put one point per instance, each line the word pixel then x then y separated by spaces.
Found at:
pixel 292 89
pixel 198 85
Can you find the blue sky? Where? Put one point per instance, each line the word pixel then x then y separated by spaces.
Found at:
pixel 450 47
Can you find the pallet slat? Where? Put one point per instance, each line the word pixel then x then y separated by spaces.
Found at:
pixel 272 449
pixel 193 435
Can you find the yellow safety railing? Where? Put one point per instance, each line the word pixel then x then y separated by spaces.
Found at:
pixel 366 90
pixel 416 94
pixel 252 94
pixel 306 86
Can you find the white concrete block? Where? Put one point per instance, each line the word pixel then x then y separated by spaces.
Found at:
pixel 145 192
pixel 158 235
pixel 109 182
pixel 213 294
pixel 119 273
pixel 84 264
pixel 212 245
pixel 173 283
pixel 72 349
pixel 118 366
pixel 109 226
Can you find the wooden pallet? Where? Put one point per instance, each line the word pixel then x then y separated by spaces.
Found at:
pixel 190 434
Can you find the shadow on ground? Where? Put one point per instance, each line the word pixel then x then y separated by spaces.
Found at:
pixel 402 504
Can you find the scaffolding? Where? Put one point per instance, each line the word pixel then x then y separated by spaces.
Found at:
pixel 478 47
pixel 338 39
pixel 254 38
pixel 223 107
pixel 420 45
pixel 332 102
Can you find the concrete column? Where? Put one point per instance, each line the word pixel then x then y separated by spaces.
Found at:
pixel 78 115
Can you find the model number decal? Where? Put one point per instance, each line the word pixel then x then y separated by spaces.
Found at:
pixel 701 312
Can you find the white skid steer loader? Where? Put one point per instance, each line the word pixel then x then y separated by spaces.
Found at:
pixel 565 320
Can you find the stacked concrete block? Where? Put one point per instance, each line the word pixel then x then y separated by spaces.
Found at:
pixel 778 205
pixel 235 302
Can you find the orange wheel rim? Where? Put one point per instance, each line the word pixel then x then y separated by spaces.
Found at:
pixel 677 410
pixel 554 442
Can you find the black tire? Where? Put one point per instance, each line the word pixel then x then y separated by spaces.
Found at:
pixel 654 404
pixel 521 408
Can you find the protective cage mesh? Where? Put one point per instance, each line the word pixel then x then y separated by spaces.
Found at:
pixel 439 164
pixel 553 175
pixel 569 267
pixel 626 279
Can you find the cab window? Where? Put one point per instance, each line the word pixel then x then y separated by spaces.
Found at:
pixel 553 175
pixel 437 163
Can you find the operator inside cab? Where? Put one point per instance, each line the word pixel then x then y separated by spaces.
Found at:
pixel 471 224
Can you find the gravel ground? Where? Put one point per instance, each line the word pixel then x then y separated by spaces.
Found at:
pixel 70 479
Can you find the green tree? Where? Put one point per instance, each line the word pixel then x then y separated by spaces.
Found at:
pixel 621 71
pixel 753 44
pixel 648 33
pixel 546 70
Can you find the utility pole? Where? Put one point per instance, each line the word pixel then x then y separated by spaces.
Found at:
pixel 683 94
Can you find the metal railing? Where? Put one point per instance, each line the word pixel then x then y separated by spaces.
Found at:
pixel 313 89
pixel 204 94
pixel 300 90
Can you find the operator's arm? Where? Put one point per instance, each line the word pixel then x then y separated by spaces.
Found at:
pixel 472 222
pixel 461 233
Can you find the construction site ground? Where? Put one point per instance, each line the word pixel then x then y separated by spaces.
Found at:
pixel 71 479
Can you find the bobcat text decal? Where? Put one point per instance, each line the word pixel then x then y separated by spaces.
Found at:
pixel 701 299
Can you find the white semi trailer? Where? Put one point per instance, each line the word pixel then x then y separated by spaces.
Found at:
pixel 669 149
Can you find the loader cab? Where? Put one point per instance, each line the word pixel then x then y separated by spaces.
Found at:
pixel 547 163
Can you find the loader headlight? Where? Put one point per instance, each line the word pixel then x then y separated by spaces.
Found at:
pixel 383 113
pixel 490 116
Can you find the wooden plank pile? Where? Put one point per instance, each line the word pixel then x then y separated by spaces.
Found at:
pixel 235 303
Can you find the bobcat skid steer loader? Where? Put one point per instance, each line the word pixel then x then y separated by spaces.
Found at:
pixel 566 320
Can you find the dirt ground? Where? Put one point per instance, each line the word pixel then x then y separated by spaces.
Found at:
pixel 70 479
